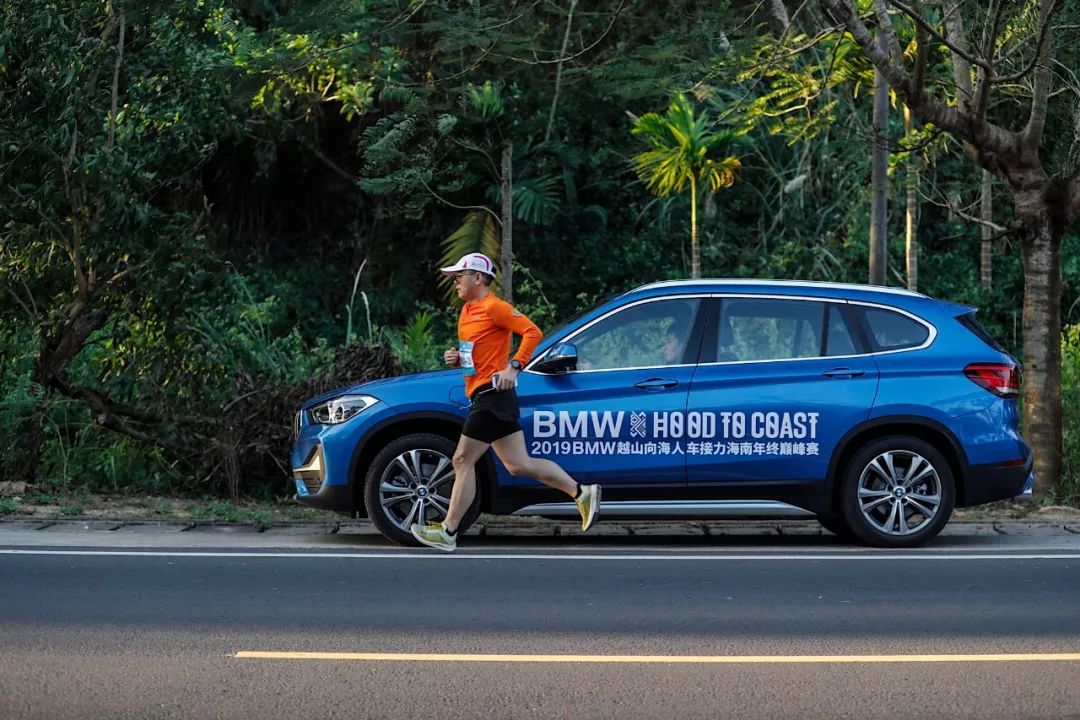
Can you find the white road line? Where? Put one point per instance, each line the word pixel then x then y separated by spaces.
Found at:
pixel 661 659
pixel 433 555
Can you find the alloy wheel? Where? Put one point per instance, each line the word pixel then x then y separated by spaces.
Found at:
pixel 899 492
pixel 415 487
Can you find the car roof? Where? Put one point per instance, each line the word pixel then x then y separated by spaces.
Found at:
pixel 783 287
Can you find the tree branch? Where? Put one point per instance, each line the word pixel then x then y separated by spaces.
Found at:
pixel 961 68
pixel 1072 160
pixel 583 51
pixel 955 209
pixel 922 56
pixel 1037 120
pixel 116 84
pixel 491 163
pixel 885 25
pixel 981 101
pixel 558 70
pixel 327 161
pixel 1072 207
pixel 921 22
pixel 105 414
pixel 26 308
pixel 459 207
pixel 984 136
pixel 1044 34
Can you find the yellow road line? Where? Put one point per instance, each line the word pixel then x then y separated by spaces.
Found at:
pixel 660 659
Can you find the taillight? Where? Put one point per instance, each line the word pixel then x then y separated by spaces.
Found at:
pixel 1001 379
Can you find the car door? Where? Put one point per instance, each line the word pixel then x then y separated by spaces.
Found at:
pixel 596 421
pixel 781 380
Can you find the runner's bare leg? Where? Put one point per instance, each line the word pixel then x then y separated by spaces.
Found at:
pixel 467 454
pixel 511 450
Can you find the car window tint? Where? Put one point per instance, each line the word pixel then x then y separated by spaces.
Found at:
pixel 968 320
pixel 754 329
pixel 892 331
pixel 650 334
pixel 839 341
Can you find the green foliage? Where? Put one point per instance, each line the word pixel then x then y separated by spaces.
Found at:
pixel 281 179
pixel 531 300
pixel 486 100
pixel 683 151
pixel 8 507
pixel 224 511
pixel 415 345
pixel 20 403
pixel 251 335
pixel 1070 405
pixel 477 233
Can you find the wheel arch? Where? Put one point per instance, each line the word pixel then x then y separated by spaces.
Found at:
pixel 437 423
pixel 923 428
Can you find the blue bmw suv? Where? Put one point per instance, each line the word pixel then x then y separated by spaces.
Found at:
pixel 875 410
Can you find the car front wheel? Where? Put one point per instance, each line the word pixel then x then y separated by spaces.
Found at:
pixel 410 481
pixel 897 492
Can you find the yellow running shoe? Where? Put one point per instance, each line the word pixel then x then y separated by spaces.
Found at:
pixel 435 535
pixel 588 504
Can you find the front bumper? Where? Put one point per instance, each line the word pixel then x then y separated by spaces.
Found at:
pixel 337 498
pixel 311 489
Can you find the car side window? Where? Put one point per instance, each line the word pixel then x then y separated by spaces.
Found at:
pixel 767 329
pixel 839 340
pixel 649 334
pixel 892 331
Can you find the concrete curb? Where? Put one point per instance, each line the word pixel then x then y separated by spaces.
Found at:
pixel 498 526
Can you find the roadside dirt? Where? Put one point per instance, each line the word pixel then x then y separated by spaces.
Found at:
pixel 18 500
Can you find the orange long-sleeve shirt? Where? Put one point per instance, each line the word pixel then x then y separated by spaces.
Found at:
pixel 485 330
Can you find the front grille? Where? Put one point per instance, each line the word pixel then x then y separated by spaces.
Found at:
pixel 296 424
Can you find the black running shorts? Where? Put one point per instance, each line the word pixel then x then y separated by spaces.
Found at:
pixel 494 414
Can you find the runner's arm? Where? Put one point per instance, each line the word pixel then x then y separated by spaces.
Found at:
pixel 505 316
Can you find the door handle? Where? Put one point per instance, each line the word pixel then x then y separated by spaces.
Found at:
pixel 843 373
pixel 655 384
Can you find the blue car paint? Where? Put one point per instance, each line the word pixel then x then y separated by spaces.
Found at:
pixel 926 383
pixel 760 388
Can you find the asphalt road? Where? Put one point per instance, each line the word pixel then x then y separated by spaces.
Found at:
pixel 761 629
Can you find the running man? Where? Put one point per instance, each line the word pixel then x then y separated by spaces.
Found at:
pixel 485 329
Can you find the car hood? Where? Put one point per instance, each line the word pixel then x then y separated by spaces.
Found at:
pixel 435 383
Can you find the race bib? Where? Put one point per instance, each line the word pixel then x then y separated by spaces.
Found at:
pixel 465 352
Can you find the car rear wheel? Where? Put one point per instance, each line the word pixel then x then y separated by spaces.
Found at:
pixel 897 492
pixel 410 481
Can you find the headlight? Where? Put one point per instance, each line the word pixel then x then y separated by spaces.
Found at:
pixel 340 409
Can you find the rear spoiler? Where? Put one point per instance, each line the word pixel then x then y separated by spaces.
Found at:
pixel 956 309
pixel 959 311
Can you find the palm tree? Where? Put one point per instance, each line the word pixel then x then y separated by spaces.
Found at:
pixel 682 155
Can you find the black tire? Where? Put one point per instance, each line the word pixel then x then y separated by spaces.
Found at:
pixel 434 453
pixel 875 518
pixel 837 526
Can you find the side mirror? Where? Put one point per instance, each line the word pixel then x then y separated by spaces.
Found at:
pixel 561 358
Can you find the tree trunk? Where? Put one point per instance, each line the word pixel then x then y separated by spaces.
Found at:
pixel 695 248
pixel 879 211
pixel 986 212
pixel 58 350
pixel 911 216
pixel 1041 392
pixel 506 252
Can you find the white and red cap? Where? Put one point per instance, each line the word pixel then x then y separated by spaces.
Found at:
pixel 478 262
